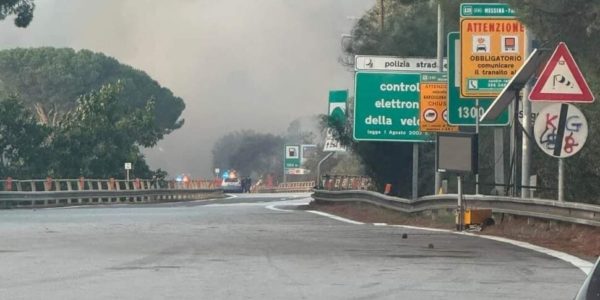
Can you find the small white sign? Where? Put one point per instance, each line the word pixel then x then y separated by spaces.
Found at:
pixel 392 63
pixel 297 171
pixel 332 144
pixel 127 166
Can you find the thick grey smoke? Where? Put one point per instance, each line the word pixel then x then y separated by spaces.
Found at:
pixel 238 64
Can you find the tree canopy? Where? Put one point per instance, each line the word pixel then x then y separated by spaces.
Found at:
pixel 23 142
pixel 101 134
pixel 49 81
pixel 92 140
pixel 21 9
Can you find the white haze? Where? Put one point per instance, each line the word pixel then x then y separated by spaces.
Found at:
pixel 238 64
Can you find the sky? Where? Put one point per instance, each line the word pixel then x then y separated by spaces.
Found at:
pixel 238 64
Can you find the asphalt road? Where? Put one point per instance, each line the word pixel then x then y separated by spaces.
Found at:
pixel 239 249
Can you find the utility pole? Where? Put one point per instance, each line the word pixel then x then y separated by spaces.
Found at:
pixel 440 59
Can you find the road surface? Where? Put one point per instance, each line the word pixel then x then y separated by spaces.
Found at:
pixel 245 248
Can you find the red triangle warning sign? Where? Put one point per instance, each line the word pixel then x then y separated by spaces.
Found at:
pixel 561 80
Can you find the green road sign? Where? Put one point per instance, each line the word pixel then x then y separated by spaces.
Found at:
pixel 491 10
pixel 337 105
pixel 386 107
pixel 292 156
pixel 463 111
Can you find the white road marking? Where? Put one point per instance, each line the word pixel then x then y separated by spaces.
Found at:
pixel 583 265
pixel 335 217
pixel 272 207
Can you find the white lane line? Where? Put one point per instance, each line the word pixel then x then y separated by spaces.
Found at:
pixel 424 228
pixel 583 265
pixel 380 224
pixel 335 217
pixel 272 207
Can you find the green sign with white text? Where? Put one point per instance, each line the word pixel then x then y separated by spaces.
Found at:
pixel 386 107
pixel 486 10
pixel 337 105
pixel 463 111
pixel 292 156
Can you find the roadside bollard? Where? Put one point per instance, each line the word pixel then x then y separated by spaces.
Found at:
pixel 111 184
pixel 388 188
pixel 48 184
pixel 81 183
pixel 9 184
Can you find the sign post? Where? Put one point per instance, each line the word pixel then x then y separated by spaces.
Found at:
pixel 337 112
pixel 127 168
pixel 561 131
pixel 561 80
pixel 433 104
pixel 492 48
pixel 291 159
pixel 397 64
pixel 465 111
pixel 386 107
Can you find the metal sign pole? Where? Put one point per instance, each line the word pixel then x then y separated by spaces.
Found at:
pixel 516 143
pixel 561 180
pixel 526 145
pixel 319 168
pixel 440 58
pixel 415 175
pixel 477 132
pixel 127 171
pixel 459 224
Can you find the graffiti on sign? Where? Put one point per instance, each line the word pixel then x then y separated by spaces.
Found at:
pixel 561 130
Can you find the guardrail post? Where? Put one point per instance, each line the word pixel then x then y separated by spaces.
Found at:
pixel 69 186
pixel 48 184
pixel 8 185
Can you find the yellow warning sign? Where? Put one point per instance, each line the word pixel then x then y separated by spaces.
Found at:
pixel 492 51
pixel 434 103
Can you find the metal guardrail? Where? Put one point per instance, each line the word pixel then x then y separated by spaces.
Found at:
pixel 345 182
pixel 63 192
pixel 570 212
pixel 290 187
pixel 65 198
pixel 50 184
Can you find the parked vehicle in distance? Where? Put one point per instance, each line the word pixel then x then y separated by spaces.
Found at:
pixel 231 183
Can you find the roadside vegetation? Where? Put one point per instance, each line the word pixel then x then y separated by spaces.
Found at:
pixel 410 29
pixel 67 113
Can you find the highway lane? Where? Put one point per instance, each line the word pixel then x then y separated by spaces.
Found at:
pixel 238 249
